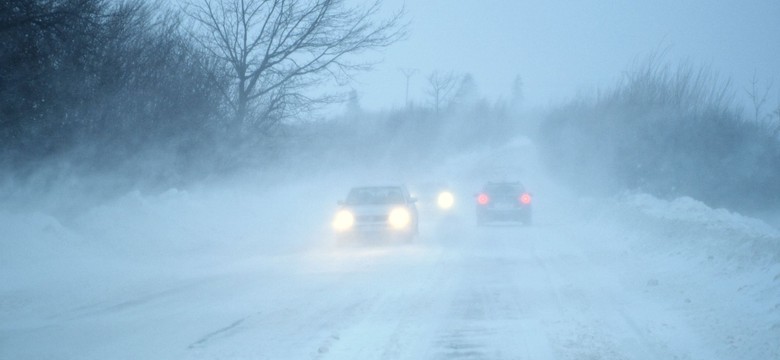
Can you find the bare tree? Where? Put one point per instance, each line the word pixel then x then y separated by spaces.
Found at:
pixel 274 49
pixel 408 73
pixel 758 98
pixel 441 88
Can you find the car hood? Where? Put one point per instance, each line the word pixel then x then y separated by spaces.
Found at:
pixel 382 209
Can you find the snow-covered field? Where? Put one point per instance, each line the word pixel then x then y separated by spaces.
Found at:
pixel 248 270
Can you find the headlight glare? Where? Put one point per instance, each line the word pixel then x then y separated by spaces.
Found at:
pixel 400 218
pixel 343 220
pixel 445 200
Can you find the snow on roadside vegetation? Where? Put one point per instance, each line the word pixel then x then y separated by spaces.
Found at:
pixel 690 210
pixel 205 225
pixel 744 241
pixel 136 244
pixel 719 268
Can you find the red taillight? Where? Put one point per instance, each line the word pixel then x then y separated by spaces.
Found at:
pixel 483 199
pixel 525 199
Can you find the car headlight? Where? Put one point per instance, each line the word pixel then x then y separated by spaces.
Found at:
pixel 445 200
pixel 400 218
pixel 343 220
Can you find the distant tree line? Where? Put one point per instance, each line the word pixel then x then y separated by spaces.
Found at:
pixel 451 120
pixel 669 131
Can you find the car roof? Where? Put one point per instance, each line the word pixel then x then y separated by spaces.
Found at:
pixel 514 183
pixel 504 184
pixel 378 187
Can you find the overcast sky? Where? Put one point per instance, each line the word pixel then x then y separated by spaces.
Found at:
pixel 561 48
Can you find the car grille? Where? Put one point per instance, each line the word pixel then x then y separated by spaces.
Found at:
pixel 371 218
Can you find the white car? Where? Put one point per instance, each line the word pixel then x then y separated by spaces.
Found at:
pixel 373 211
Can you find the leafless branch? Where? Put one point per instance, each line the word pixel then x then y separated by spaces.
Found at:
pixel 276 48
pixel 441 88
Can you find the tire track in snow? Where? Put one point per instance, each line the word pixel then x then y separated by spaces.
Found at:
pixel 599 322
pixel 491 315
pixel 225 331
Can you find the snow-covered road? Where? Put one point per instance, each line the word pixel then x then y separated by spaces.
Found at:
pixel 591 279
pixel 249 270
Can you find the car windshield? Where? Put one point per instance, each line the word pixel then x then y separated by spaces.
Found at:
pixel 375 195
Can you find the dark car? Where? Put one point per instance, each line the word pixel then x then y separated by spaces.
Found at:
pixel 503 201
pixel 377 211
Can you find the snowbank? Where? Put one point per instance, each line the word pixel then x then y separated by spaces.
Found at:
pixel 690 210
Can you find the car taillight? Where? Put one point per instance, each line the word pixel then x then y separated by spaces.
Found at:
pixel 525 199
pixel 483 199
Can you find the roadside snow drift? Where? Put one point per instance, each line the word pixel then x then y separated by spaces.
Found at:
pixel 248 269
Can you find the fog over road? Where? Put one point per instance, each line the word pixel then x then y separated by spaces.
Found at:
pixel 593 278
